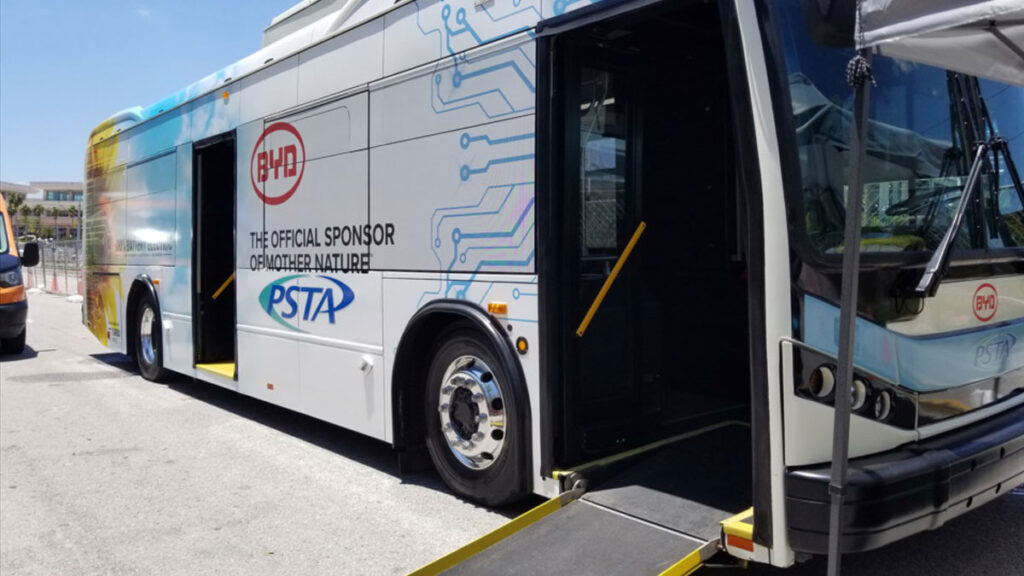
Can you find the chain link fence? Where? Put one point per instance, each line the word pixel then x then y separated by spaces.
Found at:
pixel 60 268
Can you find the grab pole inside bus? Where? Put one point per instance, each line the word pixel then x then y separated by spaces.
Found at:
pixel 859 76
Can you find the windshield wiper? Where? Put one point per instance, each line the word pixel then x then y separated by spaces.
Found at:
pixel 939 263
pixel 936 267
pixel 971 123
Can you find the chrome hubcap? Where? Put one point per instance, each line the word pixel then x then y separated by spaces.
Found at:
pixel 148 347
pixel 472 412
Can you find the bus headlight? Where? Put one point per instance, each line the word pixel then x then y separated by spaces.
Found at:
pixel 858 394
pixel 10 279
pixel 822 381
pixel 873 397
pixel 883 405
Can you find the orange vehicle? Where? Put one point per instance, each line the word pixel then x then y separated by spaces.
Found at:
pixel 13 303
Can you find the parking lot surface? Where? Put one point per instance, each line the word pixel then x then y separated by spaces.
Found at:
pixel 102 472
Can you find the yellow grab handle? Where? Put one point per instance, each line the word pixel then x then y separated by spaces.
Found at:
pixel 610 280
pixel 224 286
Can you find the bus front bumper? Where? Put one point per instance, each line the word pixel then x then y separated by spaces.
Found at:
pixel 916 487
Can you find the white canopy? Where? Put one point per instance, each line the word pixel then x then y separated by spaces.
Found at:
pixel 983 38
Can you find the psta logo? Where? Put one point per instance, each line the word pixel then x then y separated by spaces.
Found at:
pixel 994 351
pixel 279 166
pixel 985 302
pixel 311 298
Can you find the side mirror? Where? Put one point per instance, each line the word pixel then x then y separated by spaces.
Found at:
pixel 30 254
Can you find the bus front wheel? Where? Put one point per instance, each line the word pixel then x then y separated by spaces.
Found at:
pixel 149 353
pixel 14 345
pixel 474 432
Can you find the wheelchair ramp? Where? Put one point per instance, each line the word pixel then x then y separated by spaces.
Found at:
pixel 660 516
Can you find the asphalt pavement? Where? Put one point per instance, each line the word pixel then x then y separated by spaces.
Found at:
pixel 102 472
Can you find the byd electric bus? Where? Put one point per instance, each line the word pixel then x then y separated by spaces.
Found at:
pixel 566 244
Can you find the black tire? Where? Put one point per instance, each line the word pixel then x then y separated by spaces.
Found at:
pixel 149 361
pixel 504 479
pixel 14 345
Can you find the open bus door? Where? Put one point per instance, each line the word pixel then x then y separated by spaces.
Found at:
pixel 646 299
pixel 213 258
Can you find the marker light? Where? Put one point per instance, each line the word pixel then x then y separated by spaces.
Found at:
pixel 521 345
pixel 858 394
pixel 822 380
pixel 883 405
pixel 497 308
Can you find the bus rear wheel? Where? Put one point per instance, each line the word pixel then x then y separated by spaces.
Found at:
pixel 474 431
pixel 149 353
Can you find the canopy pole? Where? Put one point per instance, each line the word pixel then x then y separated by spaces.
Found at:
pixel 859 75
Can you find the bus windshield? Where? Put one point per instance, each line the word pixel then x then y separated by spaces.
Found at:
pixel 916 164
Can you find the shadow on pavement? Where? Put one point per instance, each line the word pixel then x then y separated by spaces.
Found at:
pixel 346 443
pixel 117 360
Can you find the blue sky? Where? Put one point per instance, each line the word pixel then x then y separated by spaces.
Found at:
pixel 65 66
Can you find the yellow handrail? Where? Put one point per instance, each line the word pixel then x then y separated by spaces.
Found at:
pixel 224 286
pixel 610 280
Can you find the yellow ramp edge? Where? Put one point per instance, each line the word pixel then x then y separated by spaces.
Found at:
pixel 497 535
pixel 226 369
pixel 692 561
pixel 739 525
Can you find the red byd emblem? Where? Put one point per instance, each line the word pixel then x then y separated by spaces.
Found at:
pixel 985 302
pixel 285 163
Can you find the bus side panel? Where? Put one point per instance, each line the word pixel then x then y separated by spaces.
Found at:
pixel 459 200
pixel 427 30
pixel 452 168
pixel 215 114
pixel 491 83
pixel 269 90
pixel 268 367
pixel 343 384
pixel 342 63
pixel 156 137
pixel 175 289
pixel 308 311
pixel 104 224
pixel 150 216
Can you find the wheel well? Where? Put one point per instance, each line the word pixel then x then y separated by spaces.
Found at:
pixel 415 352
pixel 408 378
pixel 140 286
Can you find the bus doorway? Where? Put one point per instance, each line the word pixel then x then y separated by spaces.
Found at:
pixel 213 258
pixel 641 112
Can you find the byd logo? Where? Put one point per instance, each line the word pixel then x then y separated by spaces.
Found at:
pixel 280 166
pixel 985 302
pixel 317 298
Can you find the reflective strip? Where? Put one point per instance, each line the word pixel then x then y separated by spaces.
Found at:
pixel 737 542
pixel 491 538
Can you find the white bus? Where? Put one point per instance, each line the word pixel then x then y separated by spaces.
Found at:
pixel 562 243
